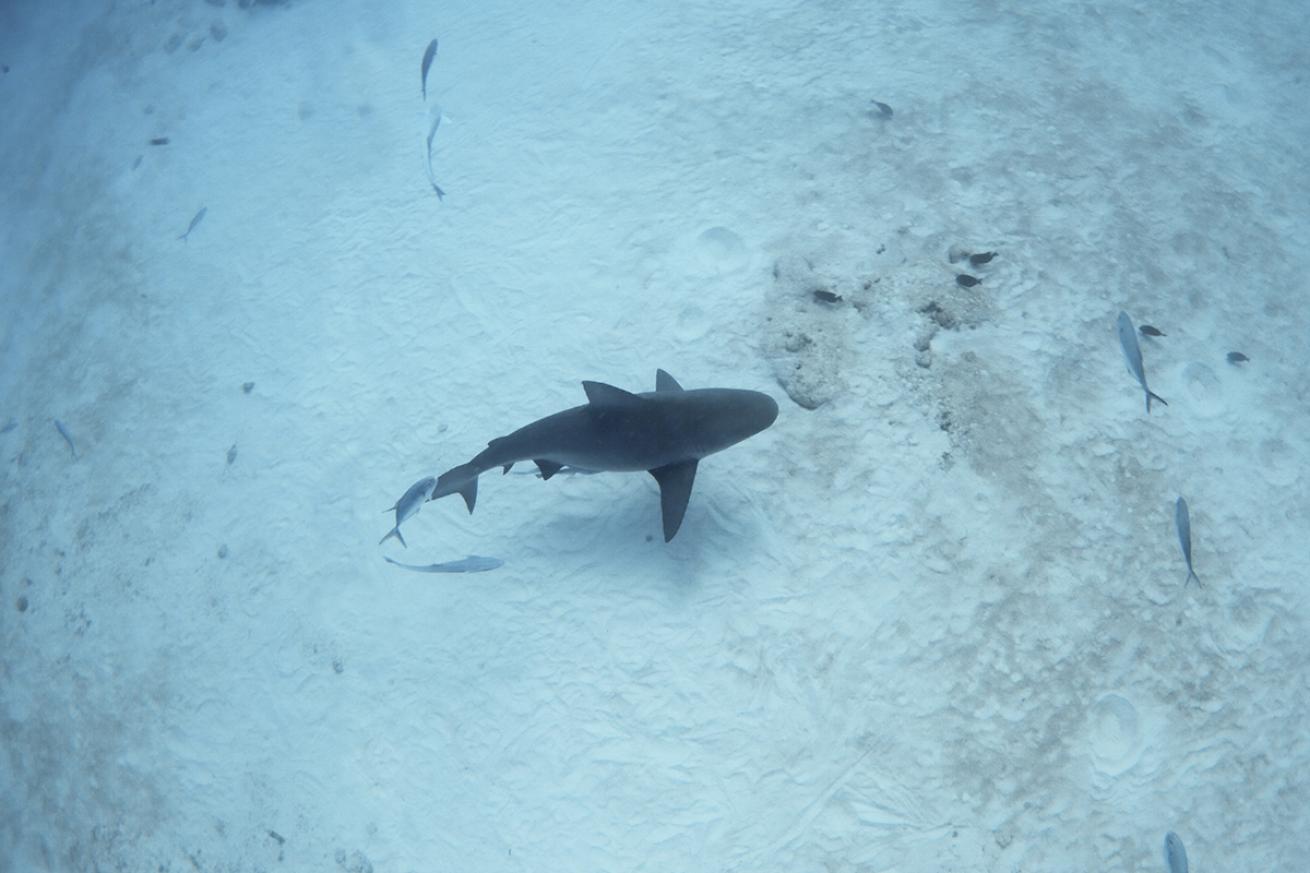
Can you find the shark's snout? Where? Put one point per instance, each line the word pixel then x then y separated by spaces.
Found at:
pixel 741 414
pixel 764 410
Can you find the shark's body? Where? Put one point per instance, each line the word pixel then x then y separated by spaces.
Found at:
pixel 664 432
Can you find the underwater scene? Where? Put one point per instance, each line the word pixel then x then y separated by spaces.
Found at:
pixel 769 436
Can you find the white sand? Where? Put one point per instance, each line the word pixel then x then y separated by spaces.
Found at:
pixel 875 645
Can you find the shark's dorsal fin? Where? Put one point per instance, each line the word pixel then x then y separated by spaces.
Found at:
pixel 675 490
pixel 600 394
pixel 665 382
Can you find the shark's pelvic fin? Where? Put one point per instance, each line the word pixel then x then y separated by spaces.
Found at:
pixel 547 468
pixel 600 394
pixel 461 480
pixel 675 490
pixel 470 493
pixel 665 382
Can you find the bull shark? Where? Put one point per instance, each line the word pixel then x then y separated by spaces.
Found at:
pixel 665 432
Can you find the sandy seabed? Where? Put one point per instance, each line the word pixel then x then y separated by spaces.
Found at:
pixel 933 619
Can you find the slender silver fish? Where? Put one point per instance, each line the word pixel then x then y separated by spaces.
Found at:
pixel 1175 856
pixel 471 564
pixel 1133 356
pixel 428 55
pixel 408 505
pixel 562 471
pixel 192 226
pixel 63 432
pixel 1183 521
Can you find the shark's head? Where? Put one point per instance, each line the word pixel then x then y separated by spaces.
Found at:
pixel 729 415
pixel 755 410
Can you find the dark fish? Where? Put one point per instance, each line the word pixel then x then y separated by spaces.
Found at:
pixel 981 258
pixel 159 140
pixel 1133 357
pixel 247 387
pixel 967 281
pixel 471 564
pixel 408 505
pixel 232 453
pixel 1175 856
pixel 432 132
pixel 1148 330
pixel 428 55
pixel 192 226
pixel 826 296
pixel 1237 358
pixel 884 110
pixel 1183 521
pixel 9 425
pixel 63 432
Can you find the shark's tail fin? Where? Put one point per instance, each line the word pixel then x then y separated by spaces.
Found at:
pixel 394 532
pixel 1151 395
pixel 461 480
pixel 1191 574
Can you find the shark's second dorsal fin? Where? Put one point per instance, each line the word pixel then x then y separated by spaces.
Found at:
pixel 600 394
pixel 665 382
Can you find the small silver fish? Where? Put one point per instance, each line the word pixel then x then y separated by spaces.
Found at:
pixel 1183 521
pixel 471 564
pixel 408 505
pixel 429 54
pixel 566 470
pixel 1175 856
pixel 192 226
pixel 63 432
pixel 1133 356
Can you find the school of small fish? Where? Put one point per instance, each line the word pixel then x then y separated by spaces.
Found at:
pixel 1132 352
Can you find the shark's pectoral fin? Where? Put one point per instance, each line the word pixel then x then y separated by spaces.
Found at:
pixel 675 490
pixel 665 382
pixel 600 394
pixel 547 468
